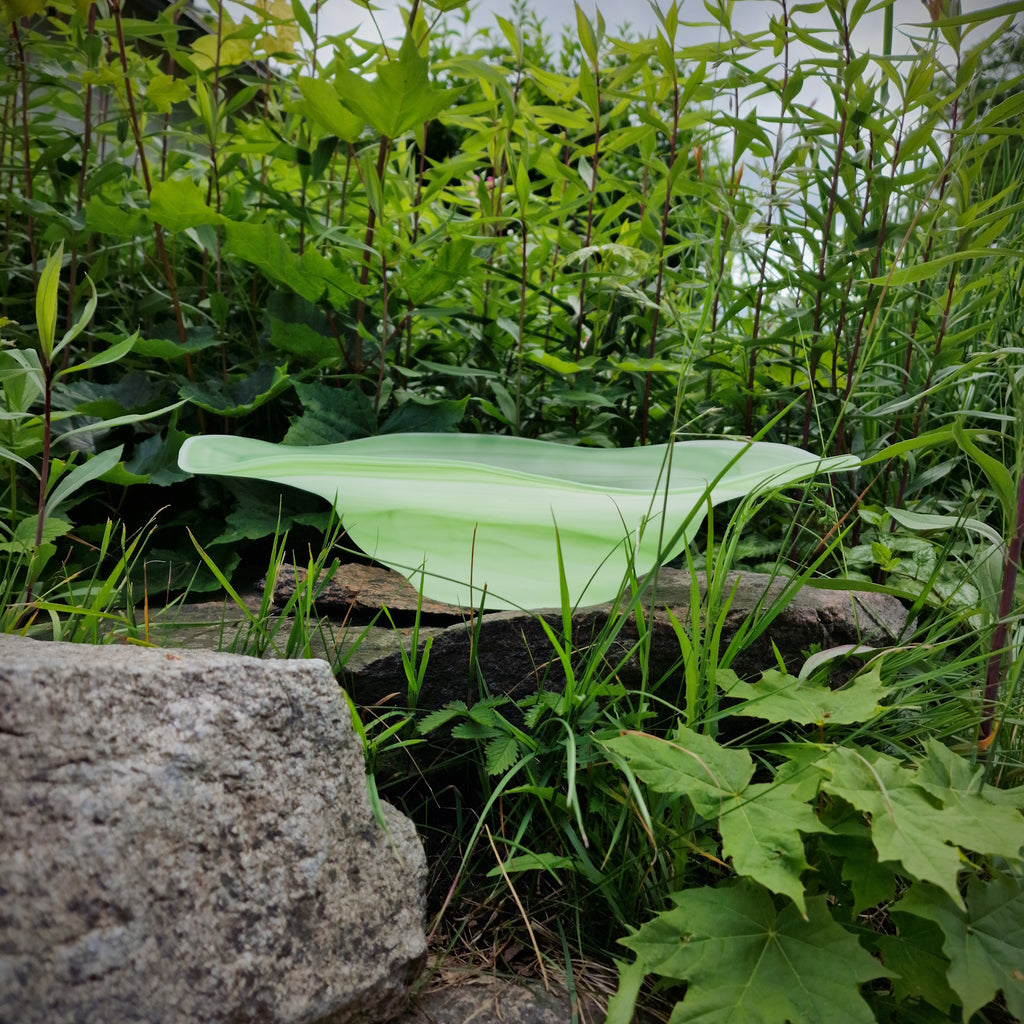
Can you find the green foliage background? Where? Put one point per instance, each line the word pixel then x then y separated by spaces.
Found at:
pixel 609 242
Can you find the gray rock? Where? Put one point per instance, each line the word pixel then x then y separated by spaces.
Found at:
pixel 186 837
pixel 514 655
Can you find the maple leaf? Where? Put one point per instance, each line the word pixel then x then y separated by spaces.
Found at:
pixel 745 961
pixel 903 816
pixel 687 763
pixel 761 832
pixel 779 697
pixel 984 942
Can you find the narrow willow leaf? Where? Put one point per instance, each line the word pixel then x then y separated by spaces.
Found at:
pixel 743 960
pixel 46 301
pixel 66 485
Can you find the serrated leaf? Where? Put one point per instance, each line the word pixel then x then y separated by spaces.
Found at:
pixel 401 98
pixel 434 720
pixel 903 816
pixel 239 396
pixel 418 415
pixel 872 881
pixel 501 753
pixel 915 955
pixel 179 203
pixel 323 105
pixel 761 832
pixel 331 415
pixel 779 697
pixel 984 942
pixel 689 764
pixel 745 961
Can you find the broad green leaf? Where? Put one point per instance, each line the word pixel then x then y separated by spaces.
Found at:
pixel 914 954
pixel 919 824
pixel 761 832
pixel 121 221
pixel 331 415
pixel 209 51
pixel 902 815
pixel 689 764
pixel 310 275
pixel 179 203
pixel 23 539
pixel 743 960
pixel 872 881
pixel 239 396
pixel 417 414
pixel 172 351
pixel 401 98
pixel 984 942
pixel 779 697
pixel 162 91
pixel 323 106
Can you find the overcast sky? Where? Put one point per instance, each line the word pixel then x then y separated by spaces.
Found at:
pixel 749 16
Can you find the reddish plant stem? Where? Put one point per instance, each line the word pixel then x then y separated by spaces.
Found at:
pixel 364 274
pixel 26 147
pixel 158 231
pixel 994 668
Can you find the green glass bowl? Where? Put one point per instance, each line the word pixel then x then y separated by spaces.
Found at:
pixel 483 509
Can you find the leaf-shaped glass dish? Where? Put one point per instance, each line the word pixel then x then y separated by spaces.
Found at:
pixel 483 509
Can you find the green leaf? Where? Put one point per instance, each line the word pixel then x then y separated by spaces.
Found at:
pixel 500 754
pixel 162 91
pixel 179 203
pixel 310 275
pixel 46 301
pixel 323 106
pixel 779 697
pixel 915 955
pixel 997 473
pixel 531 861
pixel 918 823
pixel 239 396
pixel 984 942
pixel 401 98
pixel 108 355
pixel 331 415
pixel 23 539
pixel 761 832
pixel 80 476
pixel 743 960
pixel 424 415
pixel 689 764
pixel 172 351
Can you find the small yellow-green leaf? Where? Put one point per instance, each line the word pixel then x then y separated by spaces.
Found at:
pixel 46 301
